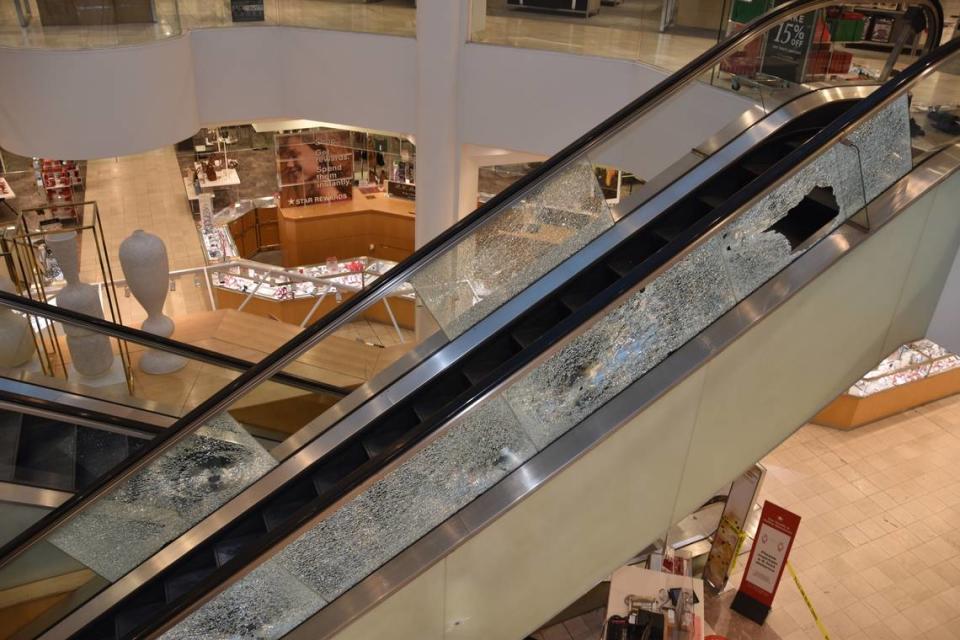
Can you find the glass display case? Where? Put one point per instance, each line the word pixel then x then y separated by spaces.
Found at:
pixel 910 363
pixel 303 294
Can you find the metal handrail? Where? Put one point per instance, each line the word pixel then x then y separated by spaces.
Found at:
pixel 153 341
pixel 403 272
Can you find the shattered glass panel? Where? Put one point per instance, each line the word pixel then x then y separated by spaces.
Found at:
pixel 514 249
pixel 884 146
pixel 621 347
pixel 267 603
pixel 157 504
pixel 470 457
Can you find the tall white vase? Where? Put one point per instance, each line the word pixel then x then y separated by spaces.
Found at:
pixel 16 339
pixel 90 352
pixel 143 257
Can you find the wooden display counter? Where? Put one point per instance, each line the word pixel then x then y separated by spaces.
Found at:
pixel 915 374
pixel 850 412
pixel 255 231
pixel 368 225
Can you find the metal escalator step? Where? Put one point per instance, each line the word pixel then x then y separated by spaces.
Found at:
pixel 339 466
pixel 712 200
pixel 176 586
pixel 129 620
pixel 430 405
pixel 381 436
pixel 224 550
pixel 277 514
pixel 9 441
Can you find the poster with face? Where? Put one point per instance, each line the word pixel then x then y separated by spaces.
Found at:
pixel 314 167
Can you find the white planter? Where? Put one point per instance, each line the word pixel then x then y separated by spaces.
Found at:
pixel 90 352
pixel 146 268
pixel 16 338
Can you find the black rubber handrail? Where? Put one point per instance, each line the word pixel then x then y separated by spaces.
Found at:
pixel 160 343
pixel 667 255
pixel 403 271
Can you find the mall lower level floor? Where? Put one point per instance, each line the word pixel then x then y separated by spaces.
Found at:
pixel 878 548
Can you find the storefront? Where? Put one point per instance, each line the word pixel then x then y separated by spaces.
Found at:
pixel 296 218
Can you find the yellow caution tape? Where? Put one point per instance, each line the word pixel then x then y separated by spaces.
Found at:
pixel 813 612
pixel 741 537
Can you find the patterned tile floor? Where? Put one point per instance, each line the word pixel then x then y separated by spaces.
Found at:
pixel 878 551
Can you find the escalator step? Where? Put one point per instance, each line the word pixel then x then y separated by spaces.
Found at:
pixel 277 514
pixel 9 441
pixel 129 620
pixel 176 586
pixel 573 300
pixel 224 550
pixel 537 322
pixel 479 366
pixel 388 431
pixel 339 466
pixel 430 405
pixel 712 200
pixel 633 252
pixel 756 167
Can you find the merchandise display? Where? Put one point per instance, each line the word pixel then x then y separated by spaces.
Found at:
pixel 303 293
pixel 910 363
pixel 913 375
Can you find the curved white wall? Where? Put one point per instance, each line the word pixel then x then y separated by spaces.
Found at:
pixel 97 103
pixel 101 103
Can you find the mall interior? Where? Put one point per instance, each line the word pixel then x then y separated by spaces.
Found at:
pixel 480 319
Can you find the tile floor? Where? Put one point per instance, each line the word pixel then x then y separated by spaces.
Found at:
pixel 878 550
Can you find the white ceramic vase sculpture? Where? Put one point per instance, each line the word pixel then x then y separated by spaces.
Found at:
pixel 143 257
pixel 16 339
pixel 90 352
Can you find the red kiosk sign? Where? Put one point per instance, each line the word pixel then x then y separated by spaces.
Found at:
pixel 768 559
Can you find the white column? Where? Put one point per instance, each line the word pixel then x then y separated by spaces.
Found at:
pixel 441 34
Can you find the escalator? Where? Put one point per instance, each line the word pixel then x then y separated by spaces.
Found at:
pixel 392 480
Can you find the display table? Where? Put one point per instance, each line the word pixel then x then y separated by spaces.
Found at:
pixel 913 375
pixel 366 225
pixel 652 589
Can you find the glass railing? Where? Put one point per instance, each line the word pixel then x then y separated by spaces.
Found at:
pixel 46 457
pixel 821 184
pixel 61 24
pixel 452 293
pixel 669 33
pixel 73 357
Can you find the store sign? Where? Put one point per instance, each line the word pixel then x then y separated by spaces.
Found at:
pixel 787 47
pixel 731 531
pixel 314 167
pixel 246 10
pixel 402 190
pixel 768 558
